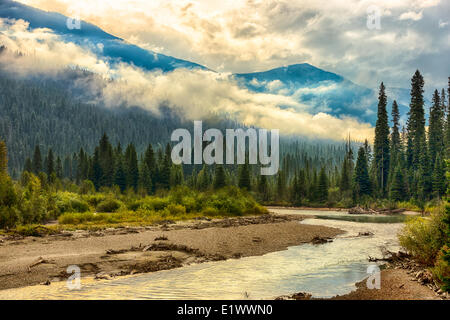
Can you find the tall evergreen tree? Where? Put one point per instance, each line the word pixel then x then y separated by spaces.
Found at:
pixel 397 191
pixel 244 181
pixel 3 158
pixel 219 177
pixel 120 176
pixel 37 160
pixel 381 144
pixel 436 127
pixel 50 164
pixel 132 169
pixel 439 180
pixel 416 122
pixel 361 180
pixel 396 144
pixel 322 186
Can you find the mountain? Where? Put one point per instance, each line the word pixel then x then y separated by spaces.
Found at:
pixel 319 90
pixel 113 48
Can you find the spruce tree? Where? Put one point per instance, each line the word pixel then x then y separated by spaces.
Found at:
pixel 120 177
pixel 361 184
pixel 37 160
pixel 416 122
pixel 3 158
pixel 436 134
pixel 438 177
pixel 244 177
pixel 398 189
pixel 132 169
pixel 396 144
pixel 50 165
pixel 145 179
pixel 381 144
pixel 219 177
pixel 322 186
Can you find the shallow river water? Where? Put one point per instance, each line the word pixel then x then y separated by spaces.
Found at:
pixel 323 270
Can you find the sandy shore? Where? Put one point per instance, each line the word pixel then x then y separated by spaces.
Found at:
pixel 115 252
pixel 396 284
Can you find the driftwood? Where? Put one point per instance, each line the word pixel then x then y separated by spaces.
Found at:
pixel 39 261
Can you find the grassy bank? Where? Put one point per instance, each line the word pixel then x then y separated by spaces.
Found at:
pixel 111 208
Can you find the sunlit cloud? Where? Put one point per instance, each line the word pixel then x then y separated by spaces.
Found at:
pixel 184 91
pixel 249 35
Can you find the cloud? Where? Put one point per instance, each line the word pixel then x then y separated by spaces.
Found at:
pixel 249 35
pixel 194 94
pixel 411 15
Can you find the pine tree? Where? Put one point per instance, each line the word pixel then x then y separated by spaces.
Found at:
pixel 50 165
pixel 131 165
pixel 96 172
pixel 166 169
pixel 381 144
pixel 396 145
pixel 416 122
pixel 106 159
pixel 145 179
pixel 37 160
pixel 436 134
pixel 361 184
pixel 3 158
pixel 438 177
pixel 398 189
pixel 59 168
pixel 244 177
pixel 28 166
pixel 219 177
pixel 263 188
pixel 120 177
pixel 322 186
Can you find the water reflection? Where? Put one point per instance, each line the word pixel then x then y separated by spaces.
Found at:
pixel 323 270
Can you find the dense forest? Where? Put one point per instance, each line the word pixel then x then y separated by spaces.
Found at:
pixel 406 164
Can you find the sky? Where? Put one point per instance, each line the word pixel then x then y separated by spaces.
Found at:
pixel 240 36
pixel 362 42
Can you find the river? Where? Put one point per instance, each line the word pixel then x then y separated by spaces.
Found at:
pixel 323 270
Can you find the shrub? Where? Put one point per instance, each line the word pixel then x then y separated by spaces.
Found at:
pixel 109 205
pixel 210 211
pixel 441 269
pixel 423 237
pixel 176 209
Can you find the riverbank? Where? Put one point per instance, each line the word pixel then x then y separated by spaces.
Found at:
pixel 396 284
pixel 109 253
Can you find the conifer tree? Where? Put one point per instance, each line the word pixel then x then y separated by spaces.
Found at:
pixel 3 158
pixel 438 177
pixel 132 169
pixel 50 165
pixel 219 177
pixel 436 134
pixel 37 160
pixel 263 188
pixel 396 144
pixel 398 189
pixel 96 172
pixel 145 179
pixel 322 186
pixel 120 177
pixel 381 144
pixel 244 181
pixel 416 122
pixel 361 184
